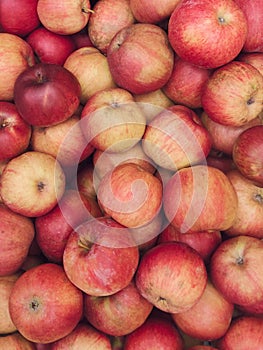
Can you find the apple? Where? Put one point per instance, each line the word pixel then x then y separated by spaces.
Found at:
pixel 130 195
pixel 117 314
pixel 153 12
pixel 91 68
pixel 245 333
pixel 44 305
pixel 24 18
pixel 208 34
pixel 237 88
pixel 85 179
pixel 100 257
pixel 253 58
pixel 16 235
pixel 50 47
pixel 221 161
pixel 16 341
pixel 140 58
pixel 46 94
pixel 254 16
pixel 209 318
pixel 249 216
pixel 175 138
pixel 82 39
pixel 15 133
pixel 112 121
pixel 202 347
pixel 64 17
pixel 108 18
pixel 172 276
pixel 15 56
pixel 248 154
pixel 32 183
pixel 154 333
pixel 186 83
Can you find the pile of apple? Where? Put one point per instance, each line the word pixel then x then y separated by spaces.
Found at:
pixel 131 174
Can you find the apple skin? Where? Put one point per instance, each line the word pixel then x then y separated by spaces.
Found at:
pixel 249 216
pixel 64 17
pixel 221 161
pixel 17 234
pixel 24 18
pixel 237 88
pixel 50 47
pixel 147 54
pixel 100 257
pixel 155 333
pixel 46 94
pixel 232 266
pixel 172 276
pixel 84 182
pixel 16 341
pixel 15 133
pixel 32 183
pixel 102 27
pixel 117 314
pixel 15 56
pixel 209 318
pixel 245 333
pixel 248 154
pixel 253 58
pixel 81 39
pixel 202 347
pixel 197 32
pixel 200 198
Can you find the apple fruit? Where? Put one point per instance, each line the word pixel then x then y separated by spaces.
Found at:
pixel 253 58
pixel 81 39
pixel 15 56
pixel 248 154
pixel 117 314
pixel 46 94
pixel 202 347
pixel 64 17
pixel 186 83
pixel 91 68
pixel 172 276
pixel 175 138
pixel 221 161
pixel 209 318
pixel 84 182
pixel 100 257
pixel 16 341
pixel 130 195
pixel 102 27
pixel 32 183
pixel 15 133
pixel 237 88
pixel 112 121
pixel 50 47
pixel 249 215
pixel 147 54
pixel 154 333
pixel 16 235
pixel 44 305
pixel 208 34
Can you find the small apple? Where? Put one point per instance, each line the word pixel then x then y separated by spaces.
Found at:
pixel 16 341
pixel 81 39
pixel 85 180
pixel 253 58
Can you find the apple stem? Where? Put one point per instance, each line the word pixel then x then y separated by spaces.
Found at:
pixel 86 246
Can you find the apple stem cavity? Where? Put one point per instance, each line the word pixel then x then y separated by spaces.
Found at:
pixel 84 245
pixel 258 198
pixel 34 305
pixel 41 186
pixel 240 260
pixel 250 101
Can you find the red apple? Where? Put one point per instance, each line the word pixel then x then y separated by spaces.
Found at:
pixel 85 180
pixel 172 276
pixel 202 347
pixel 19 18
pixel 147 54
pixel 16 235
pixel 32 183
pixel 220 161
pixel 50 47
pixel 207 34
pixel 100 257
pixel 46 94
pixel 15 133
pixel 16 341
pixel 248 154
pixel 82 39
pixel 15 56
pixel 44 305
pixel 108 18
pixel 117 314
pixel 253 58
pixel 200 198
pixel 233 94
pixel 64 17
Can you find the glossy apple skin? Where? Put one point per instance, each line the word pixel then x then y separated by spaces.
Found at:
pixel 47 290
pixel 46 94
pixel 15 133
pixel 248 154
pixel 147 54
pixel 222 21
pixel 172 276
